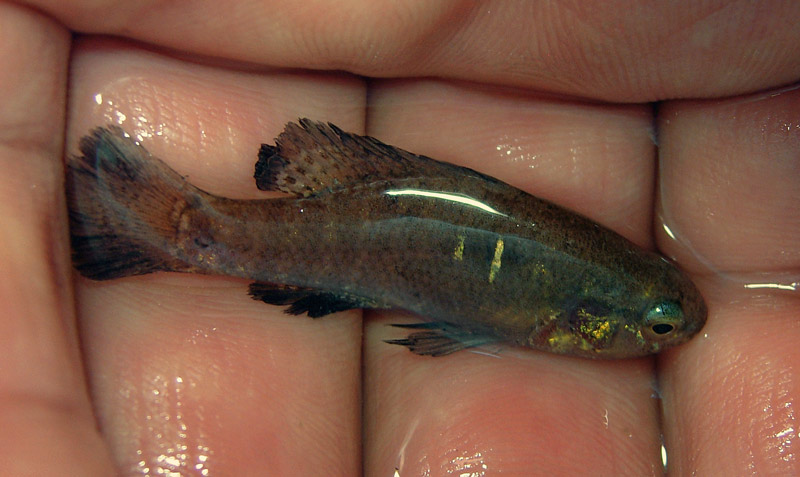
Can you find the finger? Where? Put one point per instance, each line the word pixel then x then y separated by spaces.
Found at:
pixel 188 373
pixel 595 160
pixel 738 206
pixel 43 400
pixel 730 195
pixel 471 413
pixel 659 50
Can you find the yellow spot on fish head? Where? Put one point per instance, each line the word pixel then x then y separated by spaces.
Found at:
pixel 637 333
pixel 595 329
pixel 560 340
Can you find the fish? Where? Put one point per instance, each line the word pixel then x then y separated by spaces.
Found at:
pixel 362 224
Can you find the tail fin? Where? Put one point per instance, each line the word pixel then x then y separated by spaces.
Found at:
pixel 124 207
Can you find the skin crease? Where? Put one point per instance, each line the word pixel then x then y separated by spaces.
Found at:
pixel 188 374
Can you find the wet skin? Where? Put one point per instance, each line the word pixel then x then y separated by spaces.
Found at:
pixel 724 181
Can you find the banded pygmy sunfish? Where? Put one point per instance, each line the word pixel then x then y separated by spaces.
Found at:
pixel 368 225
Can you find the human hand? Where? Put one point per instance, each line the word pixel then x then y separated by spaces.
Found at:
pixel 187 374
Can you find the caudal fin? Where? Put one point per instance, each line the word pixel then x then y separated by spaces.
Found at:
pixel 124 205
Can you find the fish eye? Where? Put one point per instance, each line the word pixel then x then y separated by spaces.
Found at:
pixel 663 318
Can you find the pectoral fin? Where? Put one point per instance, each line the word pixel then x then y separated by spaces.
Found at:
pixel 439 339
pixel 306 300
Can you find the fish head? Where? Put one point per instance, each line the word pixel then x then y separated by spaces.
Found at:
pixel 664 309
pixel 657 311
pixel 671 311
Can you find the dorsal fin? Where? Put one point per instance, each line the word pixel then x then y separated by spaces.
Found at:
pixel 310 156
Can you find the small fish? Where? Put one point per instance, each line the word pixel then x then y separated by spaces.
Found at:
pixel 368 225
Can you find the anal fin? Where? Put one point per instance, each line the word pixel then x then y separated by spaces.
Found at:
pixel 301 300
pixel 439 339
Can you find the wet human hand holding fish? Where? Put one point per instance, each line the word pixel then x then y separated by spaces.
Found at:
pixel 187 373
